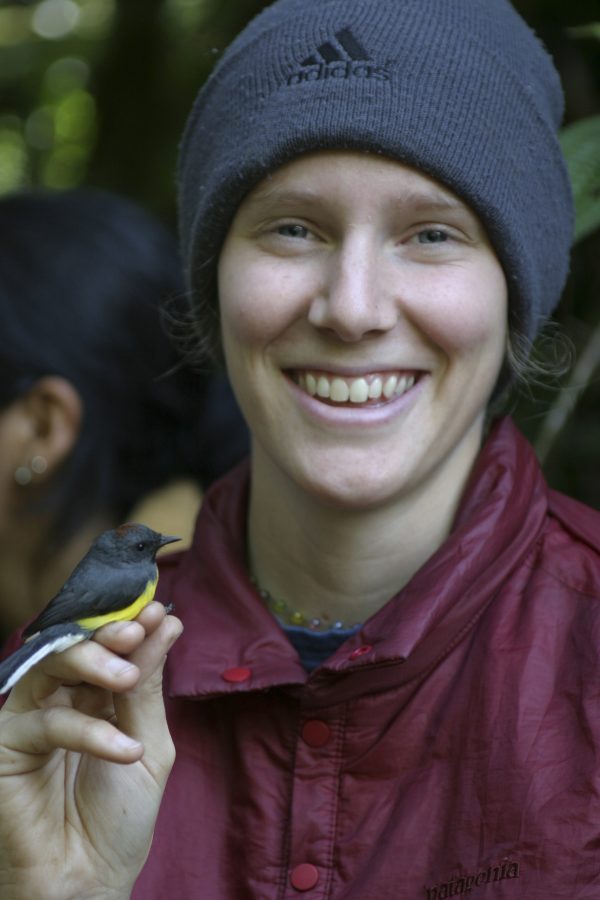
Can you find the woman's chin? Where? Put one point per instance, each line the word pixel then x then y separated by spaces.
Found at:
pixel 353 491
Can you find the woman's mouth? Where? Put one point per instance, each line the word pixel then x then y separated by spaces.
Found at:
pixel 372 389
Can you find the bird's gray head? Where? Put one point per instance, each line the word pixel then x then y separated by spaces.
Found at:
pixel 131 543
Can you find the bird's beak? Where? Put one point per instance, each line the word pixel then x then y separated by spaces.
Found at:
pixel 168 539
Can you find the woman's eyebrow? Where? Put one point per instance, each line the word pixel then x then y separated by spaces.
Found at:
pixel 431 200
pixel 271 196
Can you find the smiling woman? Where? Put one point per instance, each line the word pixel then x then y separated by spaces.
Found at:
pixel 335 282
pixel 386 686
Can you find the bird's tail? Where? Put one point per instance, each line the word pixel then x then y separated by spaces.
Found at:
pixel 51 640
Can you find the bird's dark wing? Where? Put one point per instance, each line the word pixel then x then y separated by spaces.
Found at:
pixel 94 589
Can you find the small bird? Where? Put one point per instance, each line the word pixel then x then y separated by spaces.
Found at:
pixel 113 582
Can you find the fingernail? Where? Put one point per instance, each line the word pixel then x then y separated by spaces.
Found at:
pixel 118 666
pixel 175 637
pixel 120 627
pixel 125 742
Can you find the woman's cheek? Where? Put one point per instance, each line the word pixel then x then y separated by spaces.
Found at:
pixel 464 314
pixel 260 300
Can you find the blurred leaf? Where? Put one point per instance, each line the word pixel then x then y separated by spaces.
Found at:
pixel 13 158
pixel 581 145
pixel 586 31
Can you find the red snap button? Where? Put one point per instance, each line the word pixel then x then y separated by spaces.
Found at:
pixel 360 651
pixel 316 733
pixel 236 675
pixel 304 877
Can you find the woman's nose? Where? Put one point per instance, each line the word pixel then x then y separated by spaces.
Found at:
pixel 355 297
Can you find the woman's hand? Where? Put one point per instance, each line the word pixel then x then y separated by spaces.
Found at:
pixel 85 753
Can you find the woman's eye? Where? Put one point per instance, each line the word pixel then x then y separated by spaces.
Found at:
pixel 432 236
pixel 292 230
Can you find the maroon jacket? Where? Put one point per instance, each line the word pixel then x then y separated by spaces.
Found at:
pixel 451 747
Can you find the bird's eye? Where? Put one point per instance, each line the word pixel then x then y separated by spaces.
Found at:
pixel 141 546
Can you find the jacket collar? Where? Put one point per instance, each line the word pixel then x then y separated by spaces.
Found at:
pixel 227 626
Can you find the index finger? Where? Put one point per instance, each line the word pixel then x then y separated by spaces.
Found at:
pixel 115 634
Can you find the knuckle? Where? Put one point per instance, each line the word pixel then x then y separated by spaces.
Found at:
pixel 93 730
pixel 52 722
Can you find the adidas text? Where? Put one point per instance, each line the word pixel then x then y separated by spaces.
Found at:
pixel 339 70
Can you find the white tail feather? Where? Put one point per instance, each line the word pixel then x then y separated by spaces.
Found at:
pixel 27 656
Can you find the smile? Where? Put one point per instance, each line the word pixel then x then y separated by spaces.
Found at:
pixel 371 389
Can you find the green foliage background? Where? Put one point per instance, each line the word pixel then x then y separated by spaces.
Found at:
pixel 97 92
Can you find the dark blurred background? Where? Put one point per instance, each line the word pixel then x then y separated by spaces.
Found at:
pixel 97 91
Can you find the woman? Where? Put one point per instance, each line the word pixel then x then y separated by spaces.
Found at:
pixel 386 686
pixel 96 415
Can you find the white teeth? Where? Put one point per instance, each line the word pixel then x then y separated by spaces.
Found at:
pixel 389 387
pixel 340 391
pixel 354 390
pixel 323 387
pixel 311 384
pixel 405 383
pixel 375 388
pixel 359 391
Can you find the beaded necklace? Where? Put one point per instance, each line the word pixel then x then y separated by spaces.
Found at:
pixel 288 615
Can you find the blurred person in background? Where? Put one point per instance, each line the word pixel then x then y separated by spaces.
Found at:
pixel 99 421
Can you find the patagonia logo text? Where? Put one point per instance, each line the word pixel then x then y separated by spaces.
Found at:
pixel 466 883
pixel 341 57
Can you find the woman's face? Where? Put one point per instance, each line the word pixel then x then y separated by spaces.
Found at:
pixel 364 324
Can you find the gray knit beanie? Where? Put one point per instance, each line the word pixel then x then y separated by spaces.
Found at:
pixel 461 89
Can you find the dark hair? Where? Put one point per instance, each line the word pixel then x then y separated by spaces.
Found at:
pixel 83 276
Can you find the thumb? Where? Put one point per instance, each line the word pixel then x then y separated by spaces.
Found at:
pixel 141 711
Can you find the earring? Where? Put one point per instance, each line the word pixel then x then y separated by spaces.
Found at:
pixel 23 475
pixel 37 466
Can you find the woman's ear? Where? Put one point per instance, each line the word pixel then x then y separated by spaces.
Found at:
pixel 51 413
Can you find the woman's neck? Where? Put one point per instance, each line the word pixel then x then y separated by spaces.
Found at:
pixel 336 564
